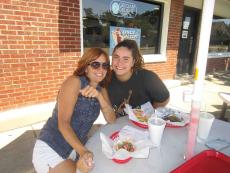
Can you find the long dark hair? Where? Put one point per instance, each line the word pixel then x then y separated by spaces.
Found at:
pixel 132 45
pixel 89 56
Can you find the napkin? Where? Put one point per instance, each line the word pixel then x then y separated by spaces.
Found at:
pixel 128 110
pixel 140 140
pixel 147 108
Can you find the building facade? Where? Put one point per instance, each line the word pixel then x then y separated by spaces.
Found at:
pixel 42 41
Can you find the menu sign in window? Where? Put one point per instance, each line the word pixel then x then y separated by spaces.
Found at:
pixel 117 34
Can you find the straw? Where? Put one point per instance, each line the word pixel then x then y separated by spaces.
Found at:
pixel 155 116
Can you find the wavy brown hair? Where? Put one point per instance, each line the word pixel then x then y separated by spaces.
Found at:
pixel 91 55
pixel 132 46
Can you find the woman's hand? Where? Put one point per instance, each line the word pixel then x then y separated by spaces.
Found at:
pixel 90 92
pixel 85 163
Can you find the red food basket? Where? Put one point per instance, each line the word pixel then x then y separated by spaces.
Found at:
pixel 113 137
pixel 142 125
pixel 208 161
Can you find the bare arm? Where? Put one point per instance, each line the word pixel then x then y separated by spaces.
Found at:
pixel 161 104
pixel 104 101
pixel 67 99
pixel 106 107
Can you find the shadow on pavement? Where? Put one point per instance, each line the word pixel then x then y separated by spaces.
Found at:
pixel 217 113
pixel 16 157
pixel 222 78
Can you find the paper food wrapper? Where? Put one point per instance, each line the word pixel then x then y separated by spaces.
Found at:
pixel 147 109
pixel 139 139
pixel 166 111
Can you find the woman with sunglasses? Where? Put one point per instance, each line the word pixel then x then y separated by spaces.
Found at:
pixel 60 145
pixel 139 85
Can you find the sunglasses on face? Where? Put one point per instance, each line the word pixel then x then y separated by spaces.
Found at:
pixel 96 65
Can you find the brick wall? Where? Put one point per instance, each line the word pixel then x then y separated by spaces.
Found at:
pixel 217 64
pixel 39 47
pixel 167 70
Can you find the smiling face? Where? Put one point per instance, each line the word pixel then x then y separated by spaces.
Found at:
pixel 122 63
pixel 96 75
pixel 88 63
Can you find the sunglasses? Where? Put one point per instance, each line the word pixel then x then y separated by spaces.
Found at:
pixel 97 65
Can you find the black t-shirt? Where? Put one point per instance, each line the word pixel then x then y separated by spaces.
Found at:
pixel 143 86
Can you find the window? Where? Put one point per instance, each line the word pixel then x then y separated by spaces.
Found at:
pixel 219 45
pixel 99 16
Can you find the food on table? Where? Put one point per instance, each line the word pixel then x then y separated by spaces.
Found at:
pixel 172 118
pixel 139 115
pixel 125 145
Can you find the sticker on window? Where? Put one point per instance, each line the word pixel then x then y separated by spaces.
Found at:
pixel 123 9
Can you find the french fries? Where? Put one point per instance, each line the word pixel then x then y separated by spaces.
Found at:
pixel 139 115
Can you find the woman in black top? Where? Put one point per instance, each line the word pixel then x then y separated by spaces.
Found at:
pixel 131 83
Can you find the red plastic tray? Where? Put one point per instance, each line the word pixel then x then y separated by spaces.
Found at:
pixel 208 161
pixel 113 137
pixel 175 126
pixel 144 126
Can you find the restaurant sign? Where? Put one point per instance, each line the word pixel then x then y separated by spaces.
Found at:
pixel 123 9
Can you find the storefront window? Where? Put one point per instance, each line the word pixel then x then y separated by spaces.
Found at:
pixel 220 38
pixel 144 18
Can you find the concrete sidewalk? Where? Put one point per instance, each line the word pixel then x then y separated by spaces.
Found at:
pixel 16 145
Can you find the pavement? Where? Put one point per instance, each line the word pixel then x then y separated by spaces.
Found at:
pixel 16 145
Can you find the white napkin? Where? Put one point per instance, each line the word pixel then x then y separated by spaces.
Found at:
pixel 128 110
pixel 107 144
pixel 147 108
pixel 140 140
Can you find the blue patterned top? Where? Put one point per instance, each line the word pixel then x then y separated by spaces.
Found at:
pixel 85 113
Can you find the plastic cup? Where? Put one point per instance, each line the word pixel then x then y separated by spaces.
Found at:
pixel 205 123
pixel 156 128
pixel 187 95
